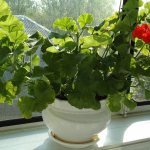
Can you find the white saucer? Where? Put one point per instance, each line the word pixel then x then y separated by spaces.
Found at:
pixel 73 145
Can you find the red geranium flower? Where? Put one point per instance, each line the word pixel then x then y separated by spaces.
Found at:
pixel 146 37
pixel 145 27
pixel 142 32
pixel 137 32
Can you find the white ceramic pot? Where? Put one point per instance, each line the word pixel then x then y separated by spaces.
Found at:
pixel 75 125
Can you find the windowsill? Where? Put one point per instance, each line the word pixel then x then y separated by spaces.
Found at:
pixel 127 133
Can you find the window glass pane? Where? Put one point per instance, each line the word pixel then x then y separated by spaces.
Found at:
pixel 11 112
pixel 46 11
pixel 139 92
pixel 40 14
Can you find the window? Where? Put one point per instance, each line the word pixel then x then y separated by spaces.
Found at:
pixel 40 14
pixel 46 11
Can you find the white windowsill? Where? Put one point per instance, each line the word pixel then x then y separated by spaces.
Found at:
pixel 130 133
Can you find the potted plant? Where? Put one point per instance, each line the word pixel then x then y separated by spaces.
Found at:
pixel 84 70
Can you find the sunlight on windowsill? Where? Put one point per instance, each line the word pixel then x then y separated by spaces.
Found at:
pixel 125 131
pixel 102 136
pixel 137 131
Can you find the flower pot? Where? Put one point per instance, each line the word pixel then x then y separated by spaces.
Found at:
pixel 73 127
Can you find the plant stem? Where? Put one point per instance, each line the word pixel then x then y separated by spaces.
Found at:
pixel 78 38
pixel 81 32
pixel 140 51
pixel 105 52
pixel 30 63
pixel 78 42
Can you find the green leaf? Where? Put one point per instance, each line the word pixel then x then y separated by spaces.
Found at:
pixel 85 51
pixel 102 87
pixel 18 37
pixel 86 80
pixel 2 98
pixel 4 54
pixel 3 34
pixel 69 63
pixel 66 24
pixel 132 18
pixel 119 40
pixel 38 71
pixel 56 35
pixel 35 60
pixel 12 24
pixel 37 35
pixel 9 100
pixel 43 91
pixel 148 20
pixel 42 95
pixel 60 42
pixel 11 89
pixel 45 45
pixel 139 44
pixel 21 48
pixel 85 19
pixel 114 83
pixel 83 100
pixel 27 106
pixel 123 26
pixel 114 102
pixel 4 9
pixel 39 42
pixel 141 3
pixel 147 94
pixel 143 66
pixel 52 49
pixel 131 5
pixel 147 5
pixel 53 59
pixel 19 76
pixel 123 49
pixel 123 64
pixel 111 20
pixel 32 50
pixel 145 51
pixel 143 13
pixel 129 103
pixel 4 18
pixel 103 39
pixel 70 45
pixel 141 71
pixel 89 41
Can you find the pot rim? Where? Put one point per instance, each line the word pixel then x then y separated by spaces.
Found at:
pixel 65 107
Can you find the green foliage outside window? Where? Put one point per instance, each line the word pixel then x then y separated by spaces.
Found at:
pixel 46 11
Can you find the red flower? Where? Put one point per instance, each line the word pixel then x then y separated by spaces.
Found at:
pixel 145 27
pixel 137 32
pixel 146 37
pixel 142 32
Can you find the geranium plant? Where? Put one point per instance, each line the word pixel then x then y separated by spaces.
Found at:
pixel 84 64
